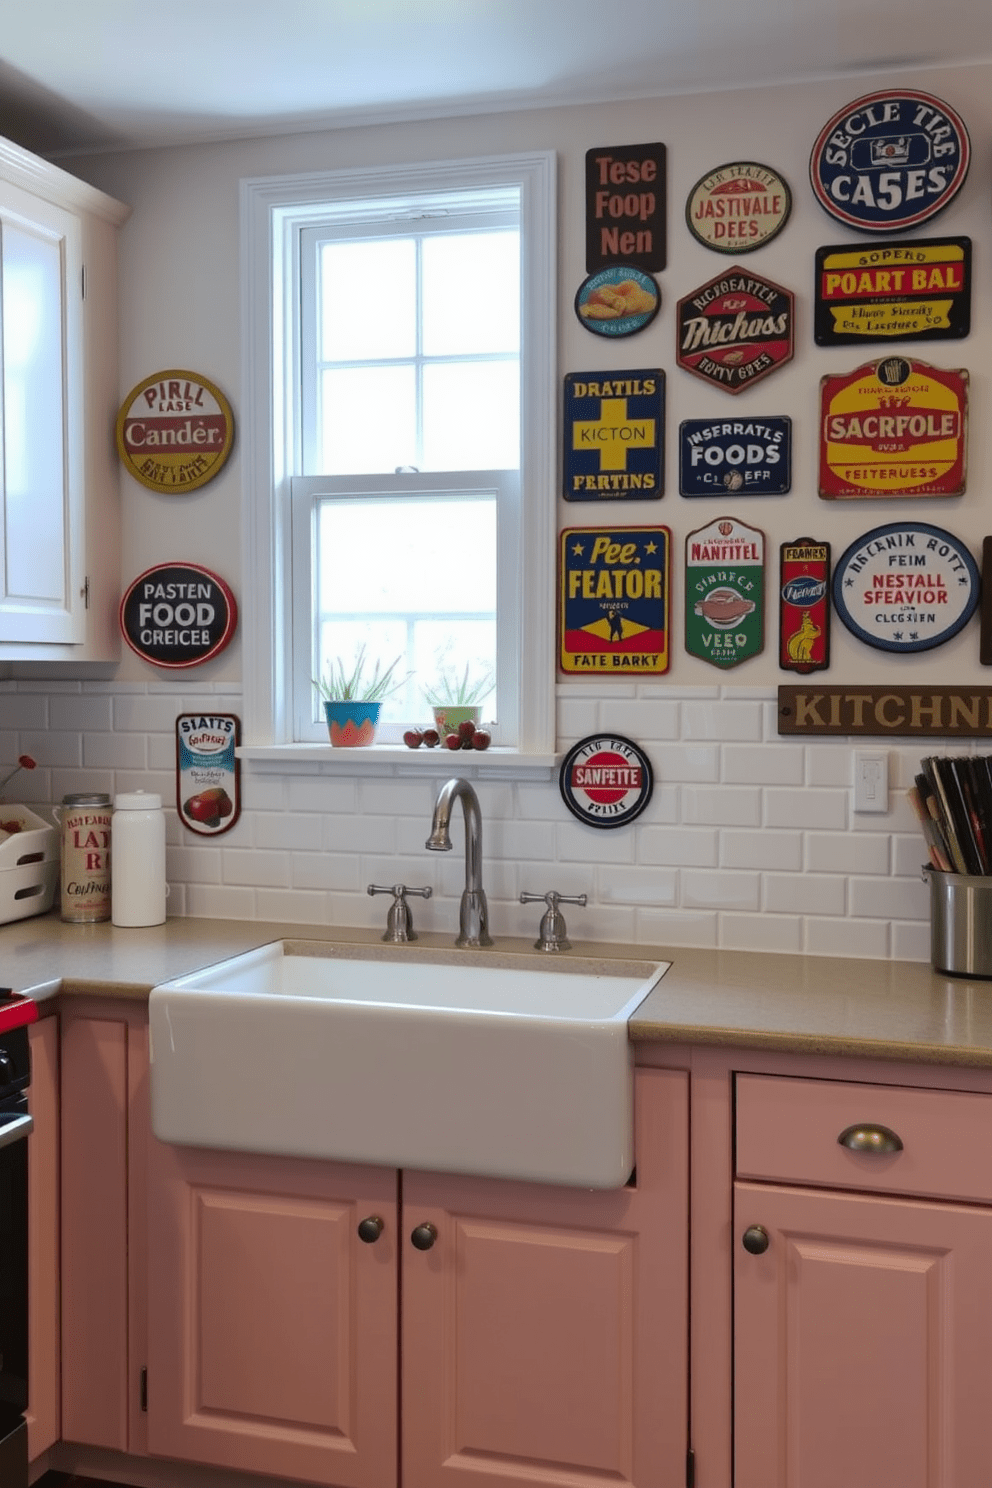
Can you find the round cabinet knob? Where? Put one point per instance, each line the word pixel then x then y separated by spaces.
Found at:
pixel 423 1237
pixel 755 1240
pixel 370 1229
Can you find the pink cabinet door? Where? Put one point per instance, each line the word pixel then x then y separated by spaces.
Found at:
pixel 272 1335
pixel 43 1239
pixel 861 1343
pixel 545 1330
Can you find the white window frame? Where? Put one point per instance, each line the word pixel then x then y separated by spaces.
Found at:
pixel 274 210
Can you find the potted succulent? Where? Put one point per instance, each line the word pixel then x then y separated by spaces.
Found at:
pixel 457 697
pixel 352 694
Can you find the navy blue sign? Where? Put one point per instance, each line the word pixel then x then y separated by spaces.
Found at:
pixel 614 425
pixel 735 457
pixel 889 161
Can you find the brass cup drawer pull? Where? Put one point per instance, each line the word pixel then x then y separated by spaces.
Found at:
pixel 868 1137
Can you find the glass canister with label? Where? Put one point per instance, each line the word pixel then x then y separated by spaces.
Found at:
pixel 85 819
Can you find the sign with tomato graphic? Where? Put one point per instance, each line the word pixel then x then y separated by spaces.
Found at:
pixel 208 778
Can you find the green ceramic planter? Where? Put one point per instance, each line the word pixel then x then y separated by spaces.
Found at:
pixel 448 716
pixel 351 724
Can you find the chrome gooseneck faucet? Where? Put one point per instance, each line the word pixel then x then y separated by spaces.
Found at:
pixel 473 917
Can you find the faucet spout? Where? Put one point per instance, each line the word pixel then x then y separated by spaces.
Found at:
pixel 473 917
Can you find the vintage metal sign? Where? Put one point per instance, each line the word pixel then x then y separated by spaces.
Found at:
pixel 614 427
pixel 606 780
pixel 890 160
pixel 735 330
pixel 738 207
pixel 906 587
pixel 735 457
pixel 619 301
pixel 804 605
pixel 625 207
pixel 985 615
pixel 724 592
pixel 174 432
pixel 178 615
pixel 614 596
pixel 945 712
pixel 912 291
pixel 208 773
pixel 896 427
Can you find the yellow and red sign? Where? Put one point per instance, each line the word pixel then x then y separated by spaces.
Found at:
pixel 896 427
pixel 174 432
pixel 913 291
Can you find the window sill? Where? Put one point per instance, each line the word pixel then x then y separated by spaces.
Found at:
pixel 398 760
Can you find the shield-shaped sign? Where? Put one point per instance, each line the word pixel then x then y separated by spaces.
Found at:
pixel 724 592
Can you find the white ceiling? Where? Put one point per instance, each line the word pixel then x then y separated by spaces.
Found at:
pixel 79 75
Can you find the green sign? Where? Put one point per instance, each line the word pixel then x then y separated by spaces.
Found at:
pixel 724 592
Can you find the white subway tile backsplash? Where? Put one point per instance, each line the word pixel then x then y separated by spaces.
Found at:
pixel 761 848
pixel 722 721
pixel 804 893
pixel 728 806
pixel 715 890
pixel 843 852
pixel 768 932
pixel 811 809
pixel 748 842
pixel 868 939
pixel 759 765
pixel 674 846
pixel 889 898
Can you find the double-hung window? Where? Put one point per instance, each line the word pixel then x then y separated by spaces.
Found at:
pixel 410 514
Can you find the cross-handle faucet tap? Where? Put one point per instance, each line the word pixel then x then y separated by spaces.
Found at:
pixel 473 916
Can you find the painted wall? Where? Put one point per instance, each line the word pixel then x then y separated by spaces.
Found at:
pixel 749 840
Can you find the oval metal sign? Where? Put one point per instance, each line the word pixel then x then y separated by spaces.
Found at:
pixel 178 615
pixel 174 432
pixel 906 587
pixel 738 207
pixel 606 780
pixel 889 161
pixel 618 301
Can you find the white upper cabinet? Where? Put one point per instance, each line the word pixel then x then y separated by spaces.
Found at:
pixel 59 482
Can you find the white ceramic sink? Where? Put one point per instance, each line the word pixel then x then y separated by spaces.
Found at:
pixel 509 1066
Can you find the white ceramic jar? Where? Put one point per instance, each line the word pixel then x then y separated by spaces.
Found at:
pixel 137 872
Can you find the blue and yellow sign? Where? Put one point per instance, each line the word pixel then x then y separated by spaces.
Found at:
pixel 614 435
pixel 613 601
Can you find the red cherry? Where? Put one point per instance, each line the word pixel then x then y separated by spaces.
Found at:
pixel 453 741
pixel 413 738
pixel 481 739
pixel 431 738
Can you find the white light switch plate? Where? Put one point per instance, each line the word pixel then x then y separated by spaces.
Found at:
pixel 871 780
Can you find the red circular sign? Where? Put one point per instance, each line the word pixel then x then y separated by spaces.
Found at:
pixel 178 615
pixel 606 780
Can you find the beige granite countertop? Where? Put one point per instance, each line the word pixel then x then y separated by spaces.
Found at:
pixel 900 1010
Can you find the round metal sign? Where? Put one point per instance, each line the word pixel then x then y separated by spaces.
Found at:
pixel 174 432
pixel 906 587
pixel 738 207
pixel 889 161
pixel 606 781
pixel 617 301
pixel 178 615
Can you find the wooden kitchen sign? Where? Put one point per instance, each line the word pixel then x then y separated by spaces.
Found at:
pixel 955 712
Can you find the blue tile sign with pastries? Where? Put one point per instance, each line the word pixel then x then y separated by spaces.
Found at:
pixel 614 424
pixel 613 601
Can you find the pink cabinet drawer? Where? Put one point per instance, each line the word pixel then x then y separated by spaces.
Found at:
pixel 788 1131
